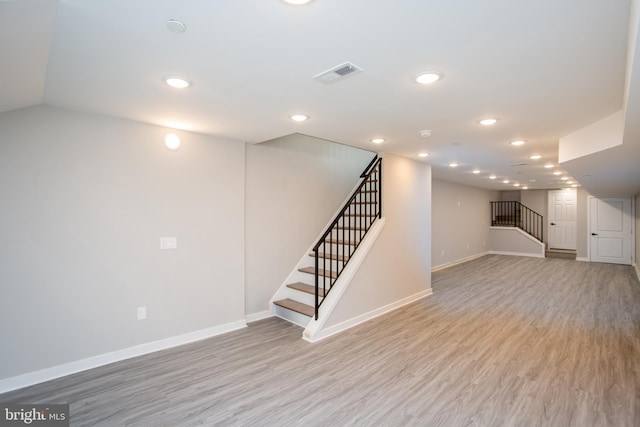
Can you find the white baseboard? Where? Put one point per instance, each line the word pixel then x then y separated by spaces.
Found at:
pixel 48 374
pixel 582 259
pixel 258 316
pixel 343 326
pixel 532 255
pixel 459 261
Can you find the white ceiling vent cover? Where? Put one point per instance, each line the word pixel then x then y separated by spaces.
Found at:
pixel 338 72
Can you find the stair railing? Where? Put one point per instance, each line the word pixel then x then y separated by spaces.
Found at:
pixel 347 230
pixel 515 214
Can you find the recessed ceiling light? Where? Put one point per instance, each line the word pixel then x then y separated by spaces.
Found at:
pixel 549 166
pixel 454 165
pixel 428 77
pixel 172 141
pixel 574 185
pixel 423 155
pixel 488 122
pixel 425 133
pixel 176 26
pixel 475 171
pixel 377 140
pixel 297 2
pixel 557 173
pixel 519 142
pixel 176 82
pixel 516 185
pixel 492 177
pixel 299 117
pixel 564 178
pixel 569 182
pixel 506 181
pixel 525 188
pixel 535 157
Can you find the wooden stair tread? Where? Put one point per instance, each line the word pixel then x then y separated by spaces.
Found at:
pixel 321 272
pixel 303 287
pixel 343 242
pixel 334 257
pixel 296 306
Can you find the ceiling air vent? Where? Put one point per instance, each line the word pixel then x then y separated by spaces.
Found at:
pixel 338 72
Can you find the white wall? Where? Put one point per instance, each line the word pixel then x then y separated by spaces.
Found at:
pixel 582 226
pixel 84 201
pixel 399 264
pixel 637 231
pixel 461 220
pixel 513 241
pixel 294 186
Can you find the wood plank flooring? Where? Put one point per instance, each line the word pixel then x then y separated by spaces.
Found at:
pixel 503 341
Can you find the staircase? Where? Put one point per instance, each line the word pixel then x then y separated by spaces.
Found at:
pixel 300 298
pixel 515 214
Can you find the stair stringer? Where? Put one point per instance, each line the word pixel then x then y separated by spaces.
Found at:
pixel 315 327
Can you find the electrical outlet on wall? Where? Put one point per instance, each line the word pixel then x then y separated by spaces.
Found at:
pixel 168 243
pixel 142 313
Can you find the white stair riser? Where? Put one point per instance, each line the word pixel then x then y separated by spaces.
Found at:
pixel 292 316
pixel 303 297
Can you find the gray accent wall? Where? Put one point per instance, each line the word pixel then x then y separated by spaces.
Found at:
pixel 461 221
pixel 398 265
pixel 84 201
pixel 295 185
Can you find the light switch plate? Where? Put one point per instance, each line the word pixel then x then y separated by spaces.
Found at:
pixel 168 243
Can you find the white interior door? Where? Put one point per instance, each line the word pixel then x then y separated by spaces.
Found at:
pixel 562 219
pixel 610 230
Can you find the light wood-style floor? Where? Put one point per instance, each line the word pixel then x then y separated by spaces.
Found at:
pixel 503 341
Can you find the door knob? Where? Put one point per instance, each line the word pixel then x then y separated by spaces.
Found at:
pixel 553 223
pixel 594 234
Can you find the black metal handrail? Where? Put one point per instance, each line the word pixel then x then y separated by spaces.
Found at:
pixel 515 214
pixel 347 230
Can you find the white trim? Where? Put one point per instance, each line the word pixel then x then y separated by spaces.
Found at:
pixel 343 326
pixel 48 374
pixel 516 254
pixel 460 261
pixel 254 317
pixel 582 259
pixel 637 270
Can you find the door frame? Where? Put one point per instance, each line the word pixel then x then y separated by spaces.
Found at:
pixel 633 224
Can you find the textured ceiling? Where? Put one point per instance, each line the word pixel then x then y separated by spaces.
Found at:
pixel 546 68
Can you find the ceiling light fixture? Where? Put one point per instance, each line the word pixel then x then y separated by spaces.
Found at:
pixel 299 117
pixel 549 166
pixel 489 122
pixel 454 165
pixel 506 181
pixel 176 82
pixel 516 185
pixel 176 26
pixel 557 173
pixel 377 140
pixel 475 171
pixel 525 188
pixel 172 141
pixel 564 178
pixel 428 77
pixel 297 2
pixel 535 157
pixel 492 177
pixel 519 142
pixel 423 155
pixel 425 133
